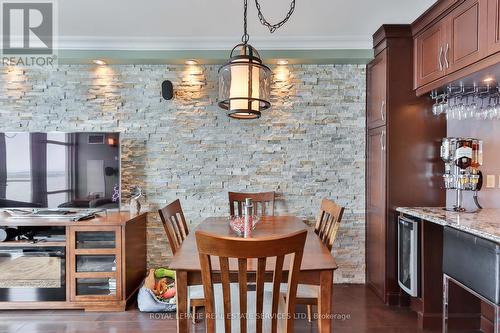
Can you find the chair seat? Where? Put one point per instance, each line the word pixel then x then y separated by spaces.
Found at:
pixel 251 310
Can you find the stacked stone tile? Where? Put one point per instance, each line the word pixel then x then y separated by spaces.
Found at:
pixel 311 144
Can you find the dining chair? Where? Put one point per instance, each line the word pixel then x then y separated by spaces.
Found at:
pixel 262 200
pixel 327 226
pixel 264 306
pixel 174 223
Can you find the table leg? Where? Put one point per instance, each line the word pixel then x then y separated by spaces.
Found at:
pixel 325 302
pixel 182 302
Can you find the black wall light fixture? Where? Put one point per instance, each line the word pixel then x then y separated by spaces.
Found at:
pixel 244 81
pixel 167 90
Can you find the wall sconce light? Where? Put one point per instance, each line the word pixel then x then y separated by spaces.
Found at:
pixel 99 62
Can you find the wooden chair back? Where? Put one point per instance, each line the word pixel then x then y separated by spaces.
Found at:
pixel 174 224
pixel 328 222
pixel 261 201
pixel 210 246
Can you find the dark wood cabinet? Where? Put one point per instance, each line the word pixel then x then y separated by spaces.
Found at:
pixel 376 92
pixel 454 39
pixel 376 209
pixel 493 26
pixel 429 49
pixel 105 260
pixel 466 38
pixel 402 162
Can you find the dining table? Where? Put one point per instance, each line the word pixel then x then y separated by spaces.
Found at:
pixel 317 268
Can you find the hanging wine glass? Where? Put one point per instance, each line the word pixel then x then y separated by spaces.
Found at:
pixel 473 107
pixel 496 108
pixel 490 109
pixel 483 112
pixel 435 108
pixel 459 107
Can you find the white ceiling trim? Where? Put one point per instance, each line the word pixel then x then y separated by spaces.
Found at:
pixel 213 43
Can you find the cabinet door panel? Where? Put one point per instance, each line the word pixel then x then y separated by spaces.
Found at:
pixel 429 51
pixel 375 253
pixel 376 210
pixel 465 43
pixel 95 263
pixel 376 92
pixel 376 170
pixel 493 26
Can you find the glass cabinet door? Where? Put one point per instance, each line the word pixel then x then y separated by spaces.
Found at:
pixel 95 239
pixel 95 263
pixel 95 287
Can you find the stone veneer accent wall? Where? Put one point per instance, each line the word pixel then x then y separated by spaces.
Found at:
pixel 311 144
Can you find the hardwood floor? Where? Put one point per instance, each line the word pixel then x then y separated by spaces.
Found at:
pixel 357 311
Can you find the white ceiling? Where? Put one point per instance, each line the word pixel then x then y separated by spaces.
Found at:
pixel 217 24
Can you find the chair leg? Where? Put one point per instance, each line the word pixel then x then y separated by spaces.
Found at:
pixel 309 312
pixel 193 315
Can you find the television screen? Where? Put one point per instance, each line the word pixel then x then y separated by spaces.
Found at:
pixel 60 170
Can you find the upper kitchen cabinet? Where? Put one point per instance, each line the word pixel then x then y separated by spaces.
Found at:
pixel 493 26
pixel 376 92
pixel 429 48
pixel 450 38
pixel 466 36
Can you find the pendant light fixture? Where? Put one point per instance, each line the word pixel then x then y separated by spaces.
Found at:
pixel 244 81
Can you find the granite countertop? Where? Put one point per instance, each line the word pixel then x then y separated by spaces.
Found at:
pixel 484 223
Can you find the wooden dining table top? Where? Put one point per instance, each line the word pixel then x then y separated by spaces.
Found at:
pixel 316 256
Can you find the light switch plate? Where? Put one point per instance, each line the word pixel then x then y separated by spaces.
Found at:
pixel 490 181
pixel 498 181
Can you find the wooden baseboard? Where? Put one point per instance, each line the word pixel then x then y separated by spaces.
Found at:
pixel 87 306
pixel 392 299
pixel 429 321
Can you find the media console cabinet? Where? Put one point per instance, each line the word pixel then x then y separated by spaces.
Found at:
pixel 95 265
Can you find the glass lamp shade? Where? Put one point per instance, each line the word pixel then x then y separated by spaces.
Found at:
pixel 244 85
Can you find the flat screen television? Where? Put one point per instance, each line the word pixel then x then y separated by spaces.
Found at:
pixel 60 170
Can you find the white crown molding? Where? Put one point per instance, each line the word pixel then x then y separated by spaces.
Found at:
pixel 213 43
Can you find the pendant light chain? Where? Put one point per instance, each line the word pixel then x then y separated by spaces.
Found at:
pixel 245 36
pixel 272 27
